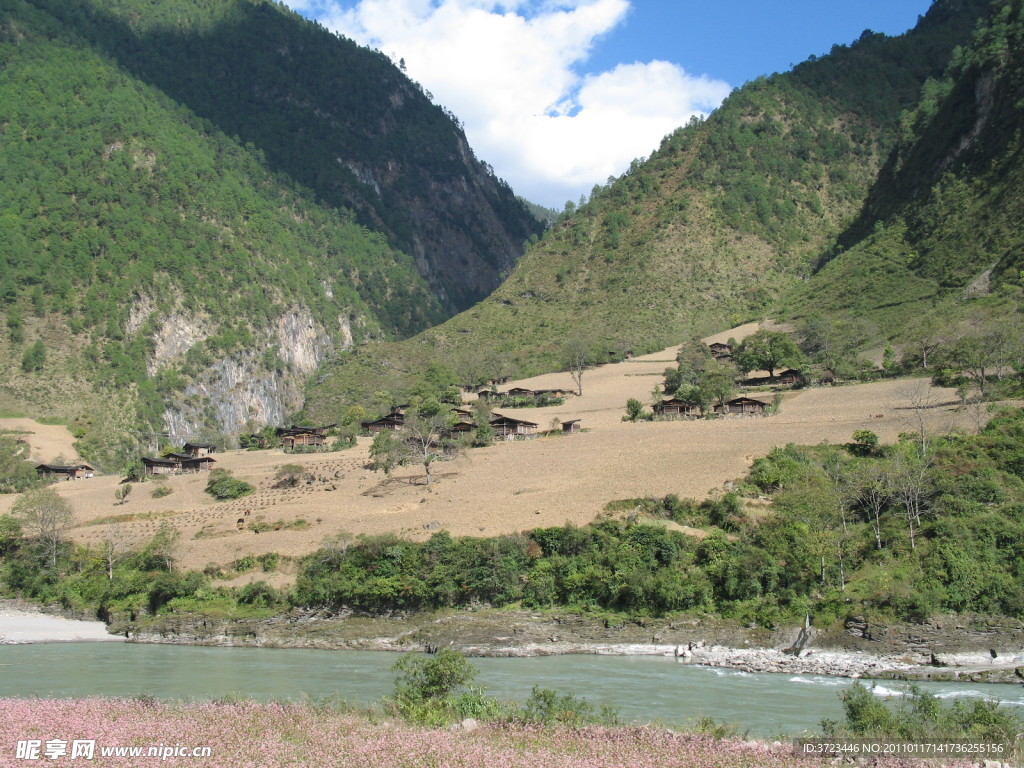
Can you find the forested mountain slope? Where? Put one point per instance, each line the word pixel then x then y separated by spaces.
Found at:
pixel 337 118
pixel 198 202
pixel 943 222
pixel 723 219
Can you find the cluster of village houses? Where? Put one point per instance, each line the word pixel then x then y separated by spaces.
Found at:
pixel 195 457
pixel 738 406
pixel 505 427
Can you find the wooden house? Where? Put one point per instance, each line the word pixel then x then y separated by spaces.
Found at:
pixel 551 392
pixel 322 431
pixel 189 463
pixel 293 439
pixel 676 407
pixel 155 466
pixel 461 428
pixel 65 471
pixel 464 415
pixel 824 376
pixel 789 376
pixel 742 406
pixel 571 427
pixel 297 436
pixel 393 421
pixel 720 351
pixel 197 464
pixel 507 428
pixel 195 450
pixel 519 392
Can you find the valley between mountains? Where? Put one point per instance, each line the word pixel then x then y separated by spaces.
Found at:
pixel 507 487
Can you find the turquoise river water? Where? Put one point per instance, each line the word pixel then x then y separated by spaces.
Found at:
pixel 642 688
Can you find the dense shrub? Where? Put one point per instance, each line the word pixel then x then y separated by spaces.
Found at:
pixel 921 718
pixel 222 486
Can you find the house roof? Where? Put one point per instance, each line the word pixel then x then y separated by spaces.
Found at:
pixel 296 430
pixel 498 419
pixel 743 400
pixel 161 462
pixel 208 446
pixel 63 467
pixel 391 418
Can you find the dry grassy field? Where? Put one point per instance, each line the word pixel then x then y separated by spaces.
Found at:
pixel 507 487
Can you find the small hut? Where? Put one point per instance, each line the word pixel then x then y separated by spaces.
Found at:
pixel 551 393
pixel 195 450
pixel 676 407
pixel 463 414
pixel 790 376
pixel 393 421
pixel 293 436
pixel 189 463
pixel 197 464
pixel 571 427
pixel 508 428
pixel 154 466
pixel 741 406
pixel 461 428
pixel 720 351
pixel 519 392
pixel 65 471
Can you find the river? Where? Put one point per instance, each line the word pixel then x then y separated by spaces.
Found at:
pixel 642 688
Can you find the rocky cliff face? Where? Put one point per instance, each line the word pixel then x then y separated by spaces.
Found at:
pixel 259 385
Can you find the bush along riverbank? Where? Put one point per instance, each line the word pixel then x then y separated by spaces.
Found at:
pixel 913 550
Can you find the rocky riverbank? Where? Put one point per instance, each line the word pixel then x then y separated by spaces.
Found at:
pixel 957 648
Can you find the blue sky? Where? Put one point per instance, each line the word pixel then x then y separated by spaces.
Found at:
pixel 738 40
pixel 558 95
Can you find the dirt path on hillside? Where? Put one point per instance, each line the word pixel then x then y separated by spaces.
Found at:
pixel 504 488
pixel 46 442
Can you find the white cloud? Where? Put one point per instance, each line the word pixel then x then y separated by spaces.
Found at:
pixel 508 70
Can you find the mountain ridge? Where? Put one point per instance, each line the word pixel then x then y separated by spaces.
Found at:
pixel 712 230
pixel 128 220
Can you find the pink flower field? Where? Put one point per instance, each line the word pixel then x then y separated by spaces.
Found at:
pixel 268 735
